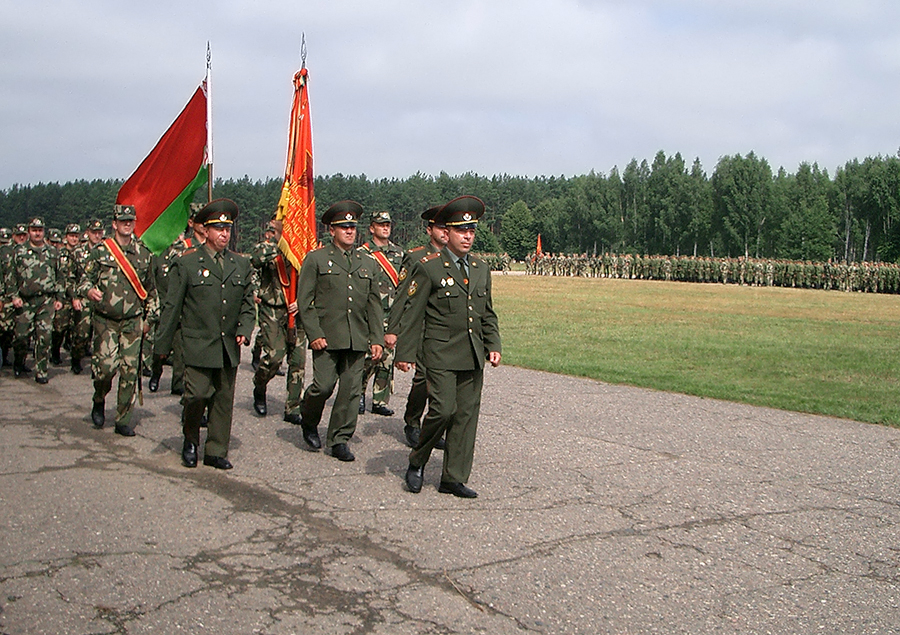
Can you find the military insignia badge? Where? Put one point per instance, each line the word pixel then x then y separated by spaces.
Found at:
pixel 402 275
pixel 204 273
pixel 450 282
pixel 413 287
pixel 467 216
pixel 443 282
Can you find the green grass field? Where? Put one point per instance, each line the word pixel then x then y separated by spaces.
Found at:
pixel 823 352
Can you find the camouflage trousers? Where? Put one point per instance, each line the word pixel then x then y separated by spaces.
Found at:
pixel 117 346
pixel 34 320
pixel 272 338
pixel 81 332
pixel 383 369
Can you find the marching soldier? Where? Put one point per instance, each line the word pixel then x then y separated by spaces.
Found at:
pixel 211 297
pixel 450 316
pixel 65 319
pixel 118 283
pixel 418 391
pixel 35 289
pixel 277 281
pixel 341 312
pixel 18 235
pixel 392 261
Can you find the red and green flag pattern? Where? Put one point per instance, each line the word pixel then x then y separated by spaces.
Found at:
pixel 163 186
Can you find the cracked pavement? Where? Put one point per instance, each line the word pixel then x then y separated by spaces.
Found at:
pixel 601 509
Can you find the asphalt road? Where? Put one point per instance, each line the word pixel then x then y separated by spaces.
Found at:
pixel 601 509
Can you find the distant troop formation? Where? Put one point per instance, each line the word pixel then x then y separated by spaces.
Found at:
pixel 870 277
pixel 362 310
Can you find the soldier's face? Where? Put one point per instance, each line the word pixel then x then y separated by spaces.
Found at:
pixel 459 241
pixel 343 235
pixel 36 236
pixel 381 231
pixel 95 236
pixel 218 237
pixel 71 240
pixel 438 235
pixel 123 228
pixel 20 238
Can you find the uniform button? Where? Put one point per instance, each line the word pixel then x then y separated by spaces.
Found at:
pixel 350 286
pixel 349 299
pixel 470 319
pixel 223 333
pixel 470 330
pixel 471 309
pixel 349 310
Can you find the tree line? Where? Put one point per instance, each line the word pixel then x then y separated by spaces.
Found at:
pixel 659 207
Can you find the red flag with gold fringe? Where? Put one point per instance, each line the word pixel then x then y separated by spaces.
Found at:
pixel 297 205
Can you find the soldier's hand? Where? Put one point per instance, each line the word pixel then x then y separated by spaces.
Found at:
pixel 77 305
pixel 377 350
pixel 494 358
pixel 57 305
pixel 319 344
pixel 17 302
pixel 404 366
pixel 390 341
pixel 146 328
pixel 242 341
pixel 293 308
pixel 95 295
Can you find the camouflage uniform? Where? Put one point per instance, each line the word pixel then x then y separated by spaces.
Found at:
pixel 383 369
pixel 6 310
pixel 34 278
pixel 65 319
pixel 272 316
pixel 82 329
pixel 118 320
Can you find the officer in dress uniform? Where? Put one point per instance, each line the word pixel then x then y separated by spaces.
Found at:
pixel 450 315
pixel 340 309
pixel 211 296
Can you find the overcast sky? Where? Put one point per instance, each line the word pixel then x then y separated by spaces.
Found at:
pixel 523 87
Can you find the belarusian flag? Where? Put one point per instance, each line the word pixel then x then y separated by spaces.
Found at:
pixel 297 206
pixel 163 186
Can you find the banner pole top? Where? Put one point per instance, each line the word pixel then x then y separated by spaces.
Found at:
pixel 303 50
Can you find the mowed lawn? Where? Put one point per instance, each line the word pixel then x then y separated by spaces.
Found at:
pixel 823 352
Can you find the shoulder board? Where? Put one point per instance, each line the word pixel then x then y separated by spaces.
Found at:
pixel 415 249
pixel 188 251
pixel 432 256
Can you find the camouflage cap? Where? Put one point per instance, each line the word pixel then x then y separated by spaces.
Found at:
pixel 195 207
pixel 20 229
pixel 73 228
pixel 124 213
pixel 54 235
pixel 5 233
pixel 96 225
pixel 342 213
pixel 381 217
pixel 36 222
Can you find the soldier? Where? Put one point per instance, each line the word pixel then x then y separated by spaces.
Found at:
pixel 36 290
pixel 118 282
pixel 7 312
pixel 418 391
pixel 65 319
pixel 341 312
pixel 268 237
pixel 211 296
pixel 450 316
pixel 277 284
pixel 391 260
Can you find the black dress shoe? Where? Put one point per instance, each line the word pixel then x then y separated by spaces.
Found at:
pixel 125 431
pixel 98 417
pixel 204 421
pixel 153 384
pixel 218 462
pixel 362 404
pixel 441 444
pixel 341 452
pixel 146 372
pixel 457 489
pixel 384 411
pixel 42 380
pixel 412 436
pixel 76 366
pixel 189 454
pixel 259 401
pixel 311 436
pixel 178 391
pixel 415 476
pixel 293 419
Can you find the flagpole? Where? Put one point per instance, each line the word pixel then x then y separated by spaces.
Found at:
pixel 209 126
